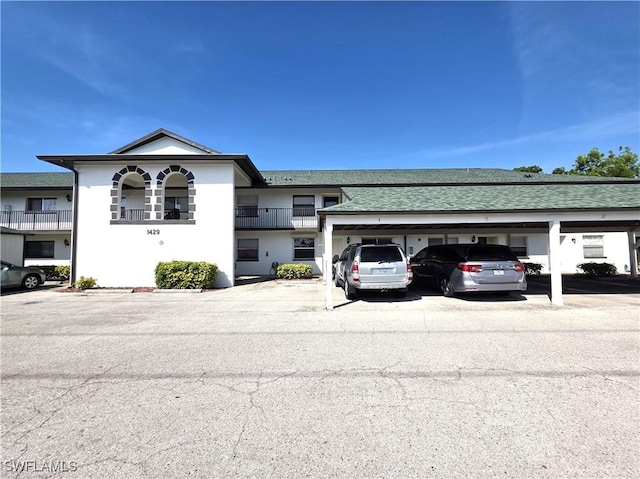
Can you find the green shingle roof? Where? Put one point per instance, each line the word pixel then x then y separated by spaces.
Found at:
pixel 488 198
pixel 36 180
pixel 421 177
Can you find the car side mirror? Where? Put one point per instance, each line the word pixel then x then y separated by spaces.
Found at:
pixel 336 258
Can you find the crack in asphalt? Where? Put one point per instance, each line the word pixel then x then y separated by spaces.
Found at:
pixel 50 414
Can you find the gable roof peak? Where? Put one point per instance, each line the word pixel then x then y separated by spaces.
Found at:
pixel 158 134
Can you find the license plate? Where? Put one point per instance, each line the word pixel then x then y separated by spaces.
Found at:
pixel 381 270
pixel 498 272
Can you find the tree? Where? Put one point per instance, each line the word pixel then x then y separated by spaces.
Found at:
pixel 595 163
pixel 529 169
pixel 623 165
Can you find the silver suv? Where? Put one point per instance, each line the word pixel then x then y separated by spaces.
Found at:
pixel 382 267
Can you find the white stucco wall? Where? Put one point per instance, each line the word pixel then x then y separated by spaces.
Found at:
pixel 11 246
pixel 165 146
pixel 283 198
pixel 127 254
pixel 276 246
pixel 616 251
pixel 17 200
pixel 62 253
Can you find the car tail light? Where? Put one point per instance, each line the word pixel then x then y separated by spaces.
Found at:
pixel 409 272
pixel 470 268
pixel 355 272
pixel 519 267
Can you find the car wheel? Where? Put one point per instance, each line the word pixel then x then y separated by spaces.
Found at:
pixel 399 293
pixel 349 291
pixel 445 287
pixel 30 281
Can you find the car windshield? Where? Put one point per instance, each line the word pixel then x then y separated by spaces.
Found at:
pixel 490 253
pixel 387 254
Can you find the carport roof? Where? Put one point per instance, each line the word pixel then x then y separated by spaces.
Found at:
pixel 491 197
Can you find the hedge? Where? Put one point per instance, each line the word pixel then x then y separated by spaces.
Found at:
pixel 294 271
pixel 56 273
pixel 532 269
pixel 598 269
pixel 185 275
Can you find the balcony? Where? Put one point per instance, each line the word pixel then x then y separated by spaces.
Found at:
pixel 36 220
pixel 249 218
pixel 136 214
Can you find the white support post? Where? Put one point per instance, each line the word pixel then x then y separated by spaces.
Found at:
pixel 554 263
pixel 633 253
pixel 328 265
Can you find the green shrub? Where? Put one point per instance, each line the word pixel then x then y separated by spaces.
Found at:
pixel 85 283
pixel 294 271
pixel 62 272
pixel 532 269
pixel 598 269
pixel 185 275
pixel 56 273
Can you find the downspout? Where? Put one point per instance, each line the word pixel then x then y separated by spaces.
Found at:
pixel 74 227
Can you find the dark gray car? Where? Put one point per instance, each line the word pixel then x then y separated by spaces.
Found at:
pixel 461 268
pixel 20 277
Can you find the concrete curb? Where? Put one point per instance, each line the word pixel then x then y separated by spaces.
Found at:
pixel 106 291
pixel 177 291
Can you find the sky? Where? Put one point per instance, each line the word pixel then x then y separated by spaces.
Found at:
pixel 323 85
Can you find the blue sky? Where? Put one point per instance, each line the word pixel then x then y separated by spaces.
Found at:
pixel 324 85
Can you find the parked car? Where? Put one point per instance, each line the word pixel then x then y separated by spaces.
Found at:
pixel 381 267
pixel 21 277
pixel 458 268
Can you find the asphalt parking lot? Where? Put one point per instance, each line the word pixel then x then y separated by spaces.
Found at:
pixel 260 381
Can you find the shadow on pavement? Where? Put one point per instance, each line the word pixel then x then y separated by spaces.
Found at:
pixel 580 284
pixel 243 280
pixel 44 287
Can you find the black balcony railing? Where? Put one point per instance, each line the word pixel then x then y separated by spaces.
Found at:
pixel 36 220
pixel 275 218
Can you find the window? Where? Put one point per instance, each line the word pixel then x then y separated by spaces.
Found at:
pixel 385 254
pixel 41 204
pixel 330 201
pixel 38 249
pixel 175 206
pixel 248 249
pixel 519 245
pixel 304 248
pixel 376 240
pixel 593 246
pixel 247 205
pixel 435 241
pixel 452 240
pixel 304 205
pixel 487 240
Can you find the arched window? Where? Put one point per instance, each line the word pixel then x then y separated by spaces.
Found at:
pixel 131 195
pixel 177 199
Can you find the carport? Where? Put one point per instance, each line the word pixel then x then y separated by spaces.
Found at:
pixel 552 209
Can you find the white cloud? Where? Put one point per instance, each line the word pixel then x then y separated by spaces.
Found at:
pixel 624 123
